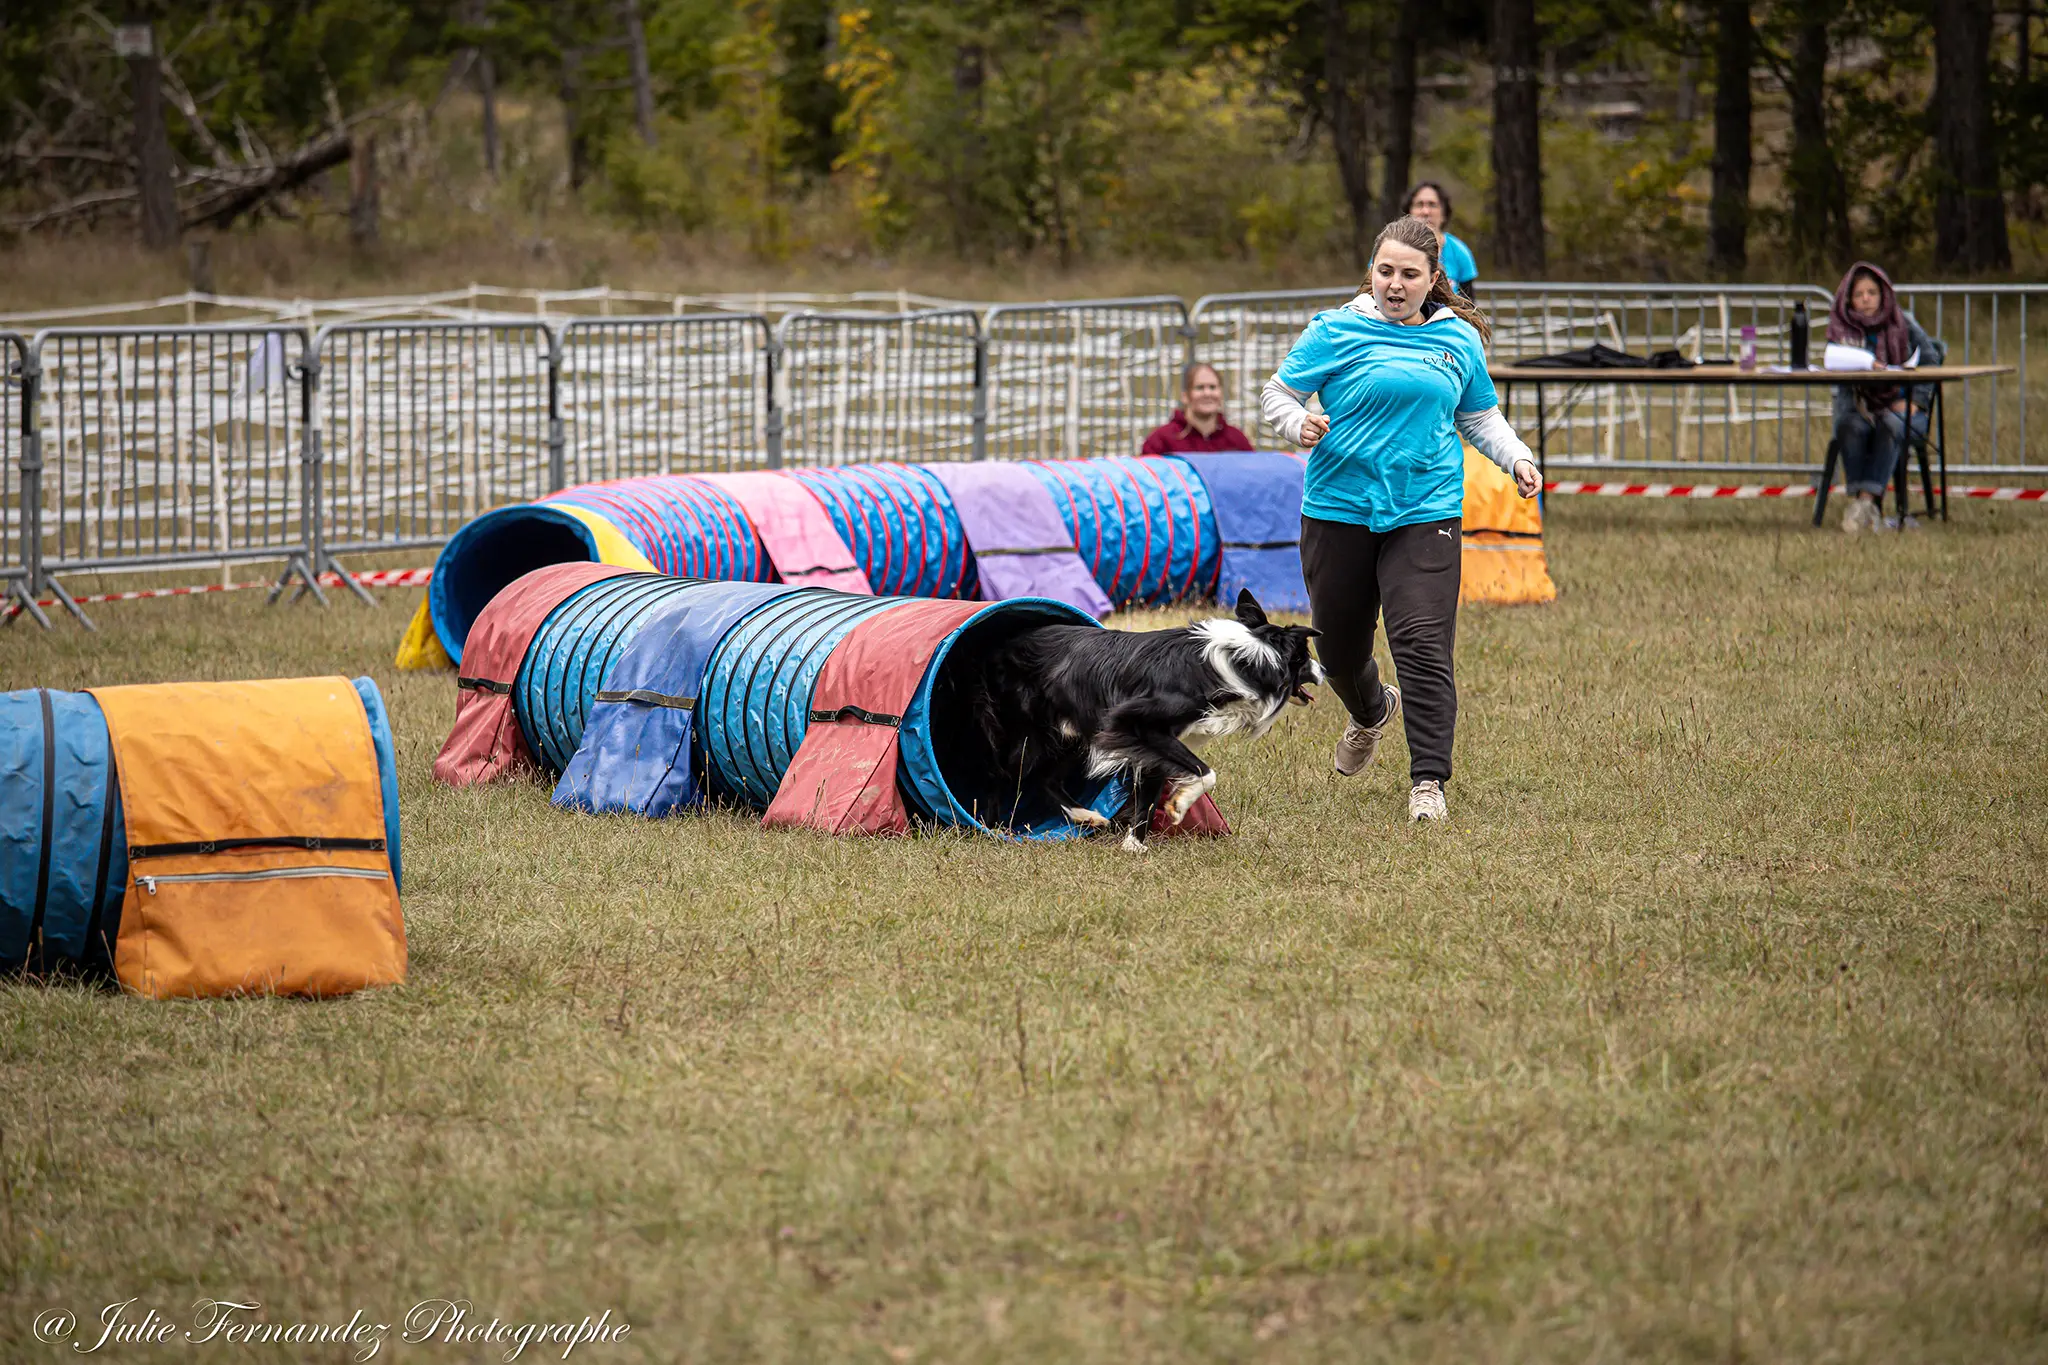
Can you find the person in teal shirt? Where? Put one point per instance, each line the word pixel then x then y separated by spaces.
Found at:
pixel 1431 203
pixel 1401 371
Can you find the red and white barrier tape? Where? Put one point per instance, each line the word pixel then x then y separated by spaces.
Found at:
pixel 373 578
pixel 413 578
pixel 1759 490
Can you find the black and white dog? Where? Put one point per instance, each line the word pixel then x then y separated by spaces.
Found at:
pixel 1056 702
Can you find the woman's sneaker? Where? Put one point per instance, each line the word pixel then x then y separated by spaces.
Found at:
pixel 1859 516
pixel 1360 744
pixel 1426 800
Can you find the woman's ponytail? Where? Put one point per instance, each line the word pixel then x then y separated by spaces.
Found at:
pixel 1413 232
pixel 1441 292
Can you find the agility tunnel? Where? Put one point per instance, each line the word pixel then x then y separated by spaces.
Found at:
pixel 1096 534
pixel 1502 558
pixel 654 695
pixel 202 838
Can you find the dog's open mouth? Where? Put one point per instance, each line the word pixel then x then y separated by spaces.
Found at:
pixel 1302 696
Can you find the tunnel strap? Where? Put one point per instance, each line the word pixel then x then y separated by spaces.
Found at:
pixel 310 842
pixel 650 698
pixel 859 713
pixel 503 689
pixel 1260 544
pixel 1024 550
pixel 35 933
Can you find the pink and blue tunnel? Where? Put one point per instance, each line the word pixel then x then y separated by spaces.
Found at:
pixel 652 696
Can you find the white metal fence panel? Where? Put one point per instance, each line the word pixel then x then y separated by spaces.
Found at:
pixel 1988 324
pixel 1072 379
pixel 877 386
pixel 662 395
pixel 1682 427
pixel 424 425
pixel 14 410
pixel 169 445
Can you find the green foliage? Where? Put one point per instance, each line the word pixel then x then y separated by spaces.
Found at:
pixel 999 129
pixel 1202 173
pixel 720 160
pixel 1622 210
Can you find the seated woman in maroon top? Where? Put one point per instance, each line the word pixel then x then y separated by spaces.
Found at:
pixel 1197 424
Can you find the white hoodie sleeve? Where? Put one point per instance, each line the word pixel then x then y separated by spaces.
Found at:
pixel 1284 409
pixel 1491 436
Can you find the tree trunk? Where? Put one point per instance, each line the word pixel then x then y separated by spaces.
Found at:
pixel 574 135
pixel 199 265
pixel 154 179
pixel 1969 204
pixel 487 91
pixel 485 73
pixel 1517 149
pixel 2024 55
pixel 1686 106
pixel 1400 139
pixel 1820 218
pixel 970 74
pixel 1728 211
pixel 643 81
pixel 362 190
pixel 1347 125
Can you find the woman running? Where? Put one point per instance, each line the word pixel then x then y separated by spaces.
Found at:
pixel 1402 374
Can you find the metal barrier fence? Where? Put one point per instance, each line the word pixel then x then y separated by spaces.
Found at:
pixel 423 425
pixel 139 448
pixel 662 395
pixel 168 445
pixel 1757 428
pixel 1090 378
pixel 14 410
pixel 870 386
pixel 1987 325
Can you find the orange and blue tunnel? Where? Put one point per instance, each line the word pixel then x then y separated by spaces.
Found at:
pixel 65 839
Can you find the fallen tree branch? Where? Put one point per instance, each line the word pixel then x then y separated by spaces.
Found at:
pixel 231 201
pixel 23 157
pixel 215 197
pixel 80 207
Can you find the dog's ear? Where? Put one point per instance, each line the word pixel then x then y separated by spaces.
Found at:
pixel 1248 609
pixel 1308 632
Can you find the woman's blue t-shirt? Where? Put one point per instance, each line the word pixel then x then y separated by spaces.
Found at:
pixel 1457 264
pixel 1392 456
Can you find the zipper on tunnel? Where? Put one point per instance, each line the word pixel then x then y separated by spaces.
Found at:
pixel 149 882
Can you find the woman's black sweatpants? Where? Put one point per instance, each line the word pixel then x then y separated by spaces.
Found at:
pixel 1412 574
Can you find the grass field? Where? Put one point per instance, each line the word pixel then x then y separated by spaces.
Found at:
pixel 1713 1027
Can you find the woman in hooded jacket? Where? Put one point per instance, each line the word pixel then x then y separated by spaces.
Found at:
pixel 1401 373
pixel 1871 421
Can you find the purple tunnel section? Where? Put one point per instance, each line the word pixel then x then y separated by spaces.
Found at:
pixel 1022 545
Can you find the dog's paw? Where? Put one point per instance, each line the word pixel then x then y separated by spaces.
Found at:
pixel 1187 792
pixel 1133 844
pixel 1085 818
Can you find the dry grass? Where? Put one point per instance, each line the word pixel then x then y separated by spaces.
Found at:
pixel 577 252
pixel 1714 1027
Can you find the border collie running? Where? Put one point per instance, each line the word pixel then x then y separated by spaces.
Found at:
pixel 1054 702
